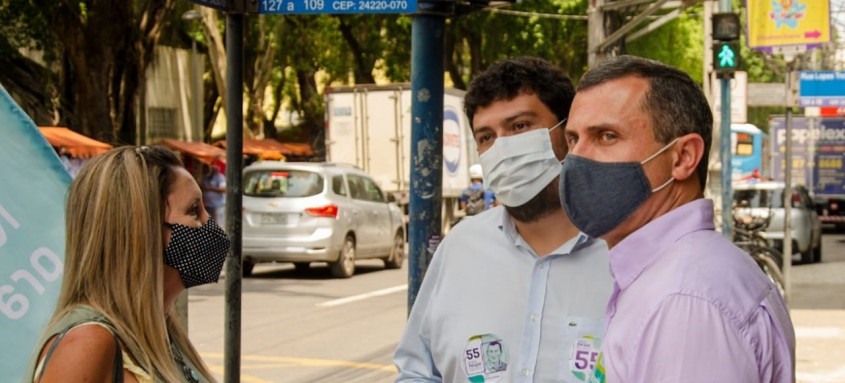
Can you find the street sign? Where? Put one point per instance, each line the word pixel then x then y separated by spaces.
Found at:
pixel 788 22
pixel 739 97
pixel 336 6
pixel 821 88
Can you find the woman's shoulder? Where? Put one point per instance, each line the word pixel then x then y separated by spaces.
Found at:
pixel 85 352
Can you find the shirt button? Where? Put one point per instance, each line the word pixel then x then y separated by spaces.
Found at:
pixel 534 318
pixel 526 372
pixel 542 265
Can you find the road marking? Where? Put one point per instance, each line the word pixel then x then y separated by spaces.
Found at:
pixel 307 362
pixel 819 332
pixel 244 377
pixel 354 298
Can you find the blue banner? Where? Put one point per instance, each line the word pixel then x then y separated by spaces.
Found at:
pixel 32 238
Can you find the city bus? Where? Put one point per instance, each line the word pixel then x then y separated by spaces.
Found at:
pixel 746 152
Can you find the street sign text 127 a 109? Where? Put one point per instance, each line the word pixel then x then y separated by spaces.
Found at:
pixel 336 6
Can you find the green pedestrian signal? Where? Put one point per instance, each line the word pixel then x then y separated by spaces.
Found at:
pixel 725 58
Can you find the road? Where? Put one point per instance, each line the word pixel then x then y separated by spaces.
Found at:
pixel 309 327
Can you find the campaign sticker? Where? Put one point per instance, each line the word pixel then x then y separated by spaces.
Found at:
pixel 485 358
pixel 583 357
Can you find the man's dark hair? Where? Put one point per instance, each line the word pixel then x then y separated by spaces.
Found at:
pixel 508 79
pixel 674 103
pixel 495 343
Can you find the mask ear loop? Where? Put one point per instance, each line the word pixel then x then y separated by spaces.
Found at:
pixel 659 152
pixel 552 129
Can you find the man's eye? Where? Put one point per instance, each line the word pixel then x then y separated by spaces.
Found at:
pixel 521 126
pixel 571 141
pixel 608 136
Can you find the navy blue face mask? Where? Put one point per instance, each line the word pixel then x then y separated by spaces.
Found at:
pixel 599 196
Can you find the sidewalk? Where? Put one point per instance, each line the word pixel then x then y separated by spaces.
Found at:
pixel 818 313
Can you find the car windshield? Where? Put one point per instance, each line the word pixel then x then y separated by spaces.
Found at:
pixel 282 183
pixel 759 198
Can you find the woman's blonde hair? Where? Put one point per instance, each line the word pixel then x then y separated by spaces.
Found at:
pixel 114 257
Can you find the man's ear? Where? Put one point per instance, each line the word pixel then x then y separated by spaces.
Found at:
pixel 689 150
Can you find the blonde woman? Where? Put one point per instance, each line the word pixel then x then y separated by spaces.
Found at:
pixel 137 236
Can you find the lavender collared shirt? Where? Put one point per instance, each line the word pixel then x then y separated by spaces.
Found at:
pixel 689 306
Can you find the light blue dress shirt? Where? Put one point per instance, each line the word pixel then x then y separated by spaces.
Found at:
pixel 491 310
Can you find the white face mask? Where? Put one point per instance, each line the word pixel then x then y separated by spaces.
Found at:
pixel 518 167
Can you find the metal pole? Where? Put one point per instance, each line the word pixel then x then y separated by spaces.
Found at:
pixel 787 194
pixel 427 39
pixel 234 163
pixel 725 146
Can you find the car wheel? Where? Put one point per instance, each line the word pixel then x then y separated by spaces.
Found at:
pixel 397 252
pixel 344 267
pixel 246 268
pixel 817 252
pixel 807 256
pixel 301 266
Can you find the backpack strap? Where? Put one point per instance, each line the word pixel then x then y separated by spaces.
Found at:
pixel 117 374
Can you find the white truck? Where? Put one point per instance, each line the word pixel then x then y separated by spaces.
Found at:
pixel 370 126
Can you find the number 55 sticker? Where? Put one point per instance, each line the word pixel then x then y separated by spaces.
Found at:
pixel 585 351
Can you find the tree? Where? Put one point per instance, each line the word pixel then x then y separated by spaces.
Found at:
pixel 98 53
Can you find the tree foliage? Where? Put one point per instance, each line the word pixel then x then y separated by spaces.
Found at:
pixel 95 56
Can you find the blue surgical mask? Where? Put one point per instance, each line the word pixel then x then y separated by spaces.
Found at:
pixel 518 167
pixel 599 196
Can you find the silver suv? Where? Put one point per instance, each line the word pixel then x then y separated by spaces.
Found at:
pixel 764 200
pixel 318 212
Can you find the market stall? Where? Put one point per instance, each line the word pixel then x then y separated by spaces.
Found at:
pixel 74 149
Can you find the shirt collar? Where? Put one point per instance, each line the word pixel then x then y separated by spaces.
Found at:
pixel 630 257
pixel 508 228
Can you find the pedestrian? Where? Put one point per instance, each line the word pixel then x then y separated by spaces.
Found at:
pixel 516 293
pixel 688 305
pixel 476 198
pixel 214 191
pixel 136 236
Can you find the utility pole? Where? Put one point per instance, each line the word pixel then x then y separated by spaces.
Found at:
pixel 595 33
pixel 424 217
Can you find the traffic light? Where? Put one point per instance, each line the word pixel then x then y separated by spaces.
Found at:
pixel 725 58
pixel 726 55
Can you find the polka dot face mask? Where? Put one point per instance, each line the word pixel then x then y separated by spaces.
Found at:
pixel 198 253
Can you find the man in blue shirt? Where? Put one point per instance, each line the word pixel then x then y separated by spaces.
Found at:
pixel 214 193
pixel 506 276
pixel 476 198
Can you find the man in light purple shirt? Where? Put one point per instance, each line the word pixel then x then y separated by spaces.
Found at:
pixel 688 306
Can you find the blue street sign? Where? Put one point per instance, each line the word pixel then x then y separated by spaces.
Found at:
pixel 336 6
pixel 821 88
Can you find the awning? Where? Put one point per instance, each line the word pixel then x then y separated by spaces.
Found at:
pixel 205 153
pixel 72 143
pixel 271 149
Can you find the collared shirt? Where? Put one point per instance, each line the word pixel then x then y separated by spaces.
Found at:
pixel 689 306
pixel 492 310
